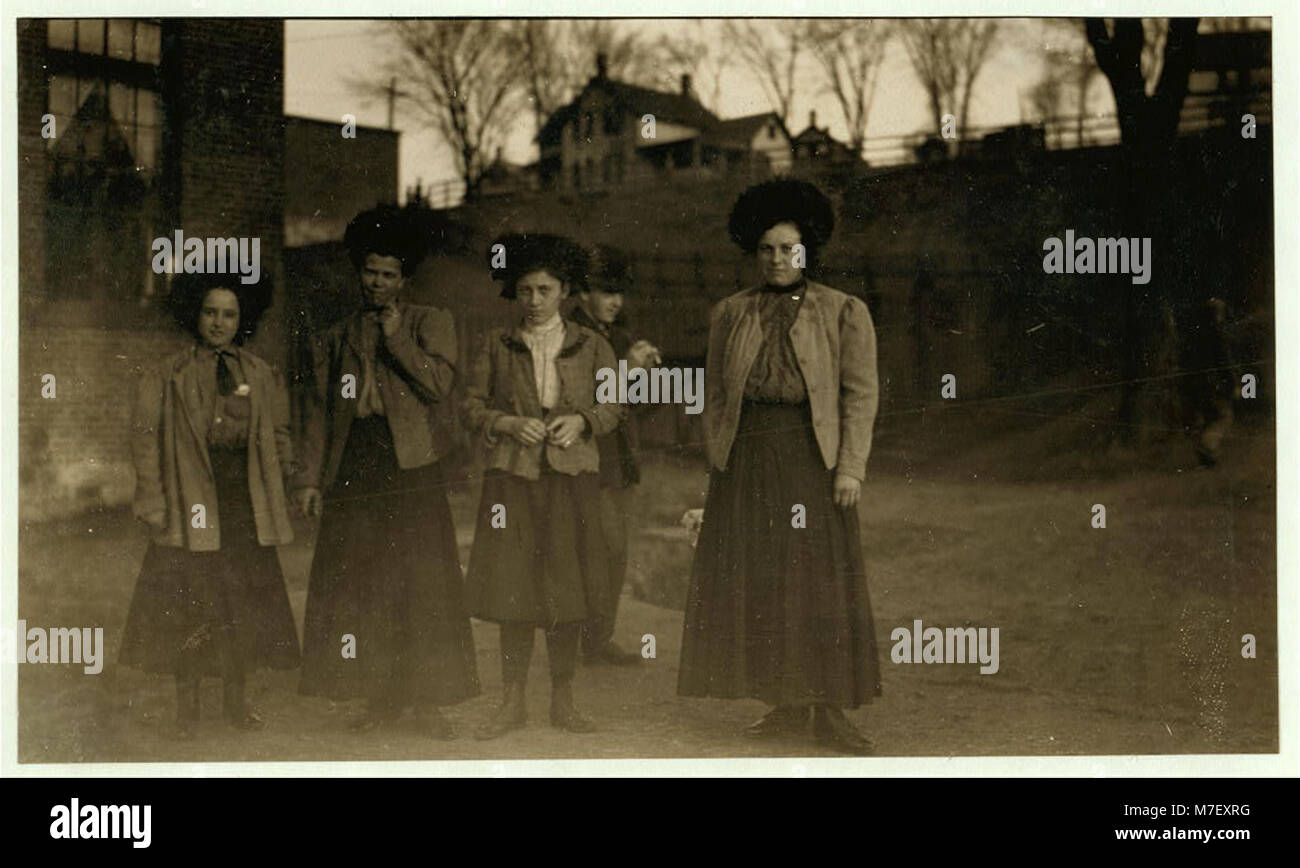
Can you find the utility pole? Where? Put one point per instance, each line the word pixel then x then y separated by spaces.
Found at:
pixel 393 94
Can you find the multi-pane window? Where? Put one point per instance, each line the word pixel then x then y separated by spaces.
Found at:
pixel 117 38
pixel 112 92
pixel 102 205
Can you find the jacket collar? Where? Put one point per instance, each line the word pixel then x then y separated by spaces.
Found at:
pixel 581 317
pixel 574 337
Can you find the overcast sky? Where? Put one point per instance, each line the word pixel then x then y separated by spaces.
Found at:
pixel 321 57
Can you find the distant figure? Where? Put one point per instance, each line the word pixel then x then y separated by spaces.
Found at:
pixel 778 606
pixel 599 308
pixel 385 617
pixel 1214 385
pixel 210 441
pixel 539 560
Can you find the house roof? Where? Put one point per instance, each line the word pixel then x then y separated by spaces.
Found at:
pixel 742 130
pixel 814 135
pixel 670 107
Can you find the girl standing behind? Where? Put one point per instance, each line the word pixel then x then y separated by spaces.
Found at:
pixel 539 557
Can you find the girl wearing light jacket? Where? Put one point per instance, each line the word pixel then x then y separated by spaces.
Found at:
pixel 778 607
pixel 539 558
pixel 210 442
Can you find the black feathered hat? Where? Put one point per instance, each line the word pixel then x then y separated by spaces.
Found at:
pixel 611 270
pixel 764 205
pixel 389 230
pixel 513 255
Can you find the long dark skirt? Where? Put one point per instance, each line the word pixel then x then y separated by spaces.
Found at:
pixel 386 573
pixel 777 612
pixel 549 564
pixel 224 612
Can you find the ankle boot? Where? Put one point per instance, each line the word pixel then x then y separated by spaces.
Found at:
pixel 234 709
pixel 187 706
pixel 512 714
pixel 833 730
pixel 563 714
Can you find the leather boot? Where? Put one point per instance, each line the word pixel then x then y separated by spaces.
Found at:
pixel 563 714
pixel 234 709
pixel 187 707
pixel 781 720
pixel 512 715
pixel 431 723
pixel 833 730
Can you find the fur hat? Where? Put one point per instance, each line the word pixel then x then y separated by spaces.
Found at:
pixel 611 270
pixel 764 205
pixel 525 252
pixel 388 230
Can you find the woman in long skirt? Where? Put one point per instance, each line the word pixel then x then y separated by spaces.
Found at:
pixel 778 607
pixel 540 559
pixel 210 443
pixel 385 617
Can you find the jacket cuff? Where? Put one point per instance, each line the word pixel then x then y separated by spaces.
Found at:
pixel 852 467
pixel 591 424
pixel 145 507
pixel 489 420
pixel 303 479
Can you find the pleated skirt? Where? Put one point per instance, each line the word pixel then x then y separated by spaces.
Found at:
pixel 778 608
pixel 386 618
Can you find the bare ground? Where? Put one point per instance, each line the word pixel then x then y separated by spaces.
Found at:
pixel 1125 640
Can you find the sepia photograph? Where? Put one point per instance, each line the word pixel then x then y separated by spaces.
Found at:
pixel 638 389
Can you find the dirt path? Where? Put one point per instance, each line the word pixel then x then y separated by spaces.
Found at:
pixel 1116 641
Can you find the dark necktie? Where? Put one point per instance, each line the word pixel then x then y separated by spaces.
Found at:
pixel 225 378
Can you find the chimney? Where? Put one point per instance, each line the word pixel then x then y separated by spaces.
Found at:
pixel 686 84
pixel 812 119
pixel 602 65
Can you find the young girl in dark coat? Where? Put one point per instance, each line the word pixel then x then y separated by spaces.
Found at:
pixel 539 558
pixel 386 573
pixel 210 442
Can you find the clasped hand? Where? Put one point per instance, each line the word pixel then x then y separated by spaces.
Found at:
pixel 562 431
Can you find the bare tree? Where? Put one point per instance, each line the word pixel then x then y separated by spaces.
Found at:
pixel 1068 60
pixel 462 80
pixel 694 53
pixel 771 48
pixel 628 57
pixel 1147 64
pixel 1046 96
pixel 947 55
pixel 547 75
pixel 556 58
pixel 848 53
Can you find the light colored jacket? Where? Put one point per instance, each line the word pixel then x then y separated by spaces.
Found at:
pixel 414 372
pixel 170 450
pixel 835 345
pixel 501 384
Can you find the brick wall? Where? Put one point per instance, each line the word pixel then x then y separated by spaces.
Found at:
pixel 329 179
pixel 221 174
